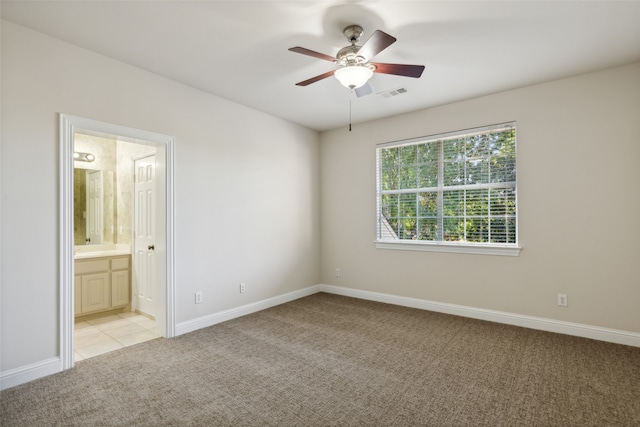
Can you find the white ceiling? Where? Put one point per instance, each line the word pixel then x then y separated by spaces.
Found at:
pixel 238 49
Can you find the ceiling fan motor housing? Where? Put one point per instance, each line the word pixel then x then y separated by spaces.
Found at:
pixel 353 33
pixel 348 56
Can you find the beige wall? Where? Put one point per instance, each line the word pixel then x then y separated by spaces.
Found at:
pixel 578 143
pixel 246 188
pixel 104 149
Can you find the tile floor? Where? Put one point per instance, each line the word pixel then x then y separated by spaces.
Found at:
pixel 105 334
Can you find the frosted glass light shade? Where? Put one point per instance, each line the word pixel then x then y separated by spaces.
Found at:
pixel 83 157
pixel 354 76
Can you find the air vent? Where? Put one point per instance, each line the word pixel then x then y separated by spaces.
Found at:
pixel 393 92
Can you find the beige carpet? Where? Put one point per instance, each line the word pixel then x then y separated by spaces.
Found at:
pixel 328 360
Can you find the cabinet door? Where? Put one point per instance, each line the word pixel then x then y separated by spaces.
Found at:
pixel 120 288
pixel 95 292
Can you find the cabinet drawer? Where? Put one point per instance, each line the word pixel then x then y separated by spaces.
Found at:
pixel 120 263
pixel 84 267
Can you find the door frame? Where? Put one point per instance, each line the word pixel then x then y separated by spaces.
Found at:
pixel 68 126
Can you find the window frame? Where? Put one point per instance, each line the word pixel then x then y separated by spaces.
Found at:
pixel 484 248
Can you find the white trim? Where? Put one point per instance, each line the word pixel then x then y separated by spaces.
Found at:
pixel 33 371
pixel 440 245
pixel 558 326
pixel 37 370
pixel 459 248
pixel 65 231
pixel 68 125
pixel 170 303
pixel 497 127
pixel 223 316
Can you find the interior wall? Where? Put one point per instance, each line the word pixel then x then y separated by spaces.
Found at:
pixel 578 202
pixel 246 187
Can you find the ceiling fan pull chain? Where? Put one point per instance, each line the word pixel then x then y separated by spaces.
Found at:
pixel 350 96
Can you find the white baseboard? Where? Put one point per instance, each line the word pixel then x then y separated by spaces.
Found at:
pixel 223 316
pixel 37 370
pixel 33 371
pixel 576 329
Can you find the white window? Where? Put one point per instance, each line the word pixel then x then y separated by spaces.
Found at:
pixel 455 190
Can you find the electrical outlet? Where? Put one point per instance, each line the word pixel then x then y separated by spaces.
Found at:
pixel 562 300
pixel 242 288
pixel 198 297
pixel 337 272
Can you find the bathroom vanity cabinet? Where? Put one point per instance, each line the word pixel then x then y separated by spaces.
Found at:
pixel 102 284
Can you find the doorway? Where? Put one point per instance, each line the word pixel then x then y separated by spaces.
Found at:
pixel 162 248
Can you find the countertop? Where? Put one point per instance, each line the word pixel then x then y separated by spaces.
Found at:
pixel 97 251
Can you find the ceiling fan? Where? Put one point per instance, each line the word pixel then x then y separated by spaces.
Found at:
pixel 355 63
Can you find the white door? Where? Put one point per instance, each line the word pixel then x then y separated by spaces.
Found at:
pixel 94 207
pixel 144 264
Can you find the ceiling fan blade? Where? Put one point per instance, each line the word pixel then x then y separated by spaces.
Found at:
pixel 378 42
pixel 399 69
pixel 315 79
pixel 315 54
pixel 363 90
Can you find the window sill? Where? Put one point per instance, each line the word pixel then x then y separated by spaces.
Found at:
pixel 460 248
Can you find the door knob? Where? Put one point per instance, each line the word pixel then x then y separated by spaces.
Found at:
pixel 151 247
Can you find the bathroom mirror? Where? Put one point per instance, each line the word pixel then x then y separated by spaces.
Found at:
pixel 94 220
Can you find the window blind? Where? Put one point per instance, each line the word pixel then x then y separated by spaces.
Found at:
pixel 455 187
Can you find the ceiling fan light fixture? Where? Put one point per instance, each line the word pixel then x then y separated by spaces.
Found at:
pixel 353 76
